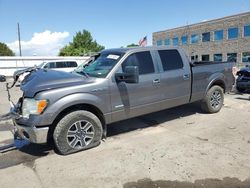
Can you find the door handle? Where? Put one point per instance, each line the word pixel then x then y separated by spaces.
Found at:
pixel 186 77
pixel 156 81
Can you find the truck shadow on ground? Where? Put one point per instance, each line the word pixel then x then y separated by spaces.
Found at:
pixel 153 119
pixel 241 98
pixel 30 152
pixel 37 150
pixel 227 182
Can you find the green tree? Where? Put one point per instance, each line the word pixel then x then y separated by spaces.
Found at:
pixel 5 50
pixel 132 45
pixel 83 44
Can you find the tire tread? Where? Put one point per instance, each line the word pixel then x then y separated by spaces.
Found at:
pixel 62 147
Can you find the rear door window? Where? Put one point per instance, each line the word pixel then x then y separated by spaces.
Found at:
pixel 66 64
pixel 71 64
pixel 170 59
pixel 141 59
pixel 61 64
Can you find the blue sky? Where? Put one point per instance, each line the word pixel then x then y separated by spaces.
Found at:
pixel 113 23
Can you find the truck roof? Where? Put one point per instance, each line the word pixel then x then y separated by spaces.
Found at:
pixel 124 50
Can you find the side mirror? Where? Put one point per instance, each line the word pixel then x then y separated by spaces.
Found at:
pixel 130 75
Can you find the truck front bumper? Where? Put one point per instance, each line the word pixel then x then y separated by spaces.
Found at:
pixel 32 134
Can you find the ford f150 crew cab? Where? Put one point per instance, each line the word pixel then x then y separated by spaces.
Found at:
pixel 74 108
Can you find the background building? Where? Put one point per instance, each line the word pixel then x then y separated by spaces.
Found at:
pixel 221 39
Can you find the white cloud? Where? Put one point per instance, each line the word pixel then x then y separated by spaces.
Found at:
pixel 46 43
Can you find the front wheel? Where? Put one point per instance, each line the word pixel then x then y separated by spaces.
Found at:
pixel 213 100
pixel 78 130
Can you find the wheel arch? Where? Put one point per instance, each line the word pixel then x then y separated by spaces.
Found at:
pixel 216 79
pixel 82 106
pixel 218 82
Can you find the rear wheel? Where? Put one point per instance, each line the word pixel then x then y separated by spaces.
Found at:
pixel 213 100
pixel 78 130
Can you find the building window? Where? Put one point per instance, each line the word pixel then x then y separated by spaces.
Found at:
pixel 167 42
pixel 233 33
pixel 218 57
pixel 175 41
pixel 194 38
pixel 159 42
pixel 205 57
pixel 218 35
pixel 232 57
pixel 184 39
pixel 206 37
pixel 247 31
pixel 246 57
pixel 194 58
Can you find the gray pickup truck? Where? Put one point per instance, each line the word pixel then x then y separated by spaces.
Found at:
pixel 74 108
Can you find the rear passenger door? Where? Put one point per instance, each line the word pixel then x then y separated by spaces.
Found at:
pixel 130 100
pixel 175 78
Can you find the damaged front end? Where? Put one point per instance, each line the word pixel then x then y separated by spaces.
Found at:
pixel 15 109
pixel 14 112
pixel 24 125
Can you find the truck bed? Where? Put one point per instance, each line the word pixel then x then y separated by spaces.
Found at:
pixel 203 74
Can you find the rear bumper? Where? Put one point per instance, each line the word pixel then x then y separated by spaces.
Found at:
pixel 33 134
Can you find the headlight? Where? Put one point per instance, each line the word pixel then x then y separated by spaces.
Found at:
pixel 32 106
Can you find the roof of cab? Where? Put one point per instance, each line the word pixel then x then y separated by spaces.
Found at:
pixel 134 49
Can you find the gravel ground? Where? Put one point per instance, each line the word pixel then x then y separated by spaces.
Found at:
pixel 179 147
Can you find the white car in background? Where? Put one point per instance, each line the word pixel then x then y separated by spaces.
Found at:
pixel 58 65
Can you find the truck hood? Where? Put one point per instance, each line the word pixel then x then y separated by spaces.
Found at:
pixel 41 80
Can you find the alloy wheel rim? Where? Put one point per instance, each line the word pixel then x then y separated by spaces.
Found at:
pixel 215 99
pixel 80 134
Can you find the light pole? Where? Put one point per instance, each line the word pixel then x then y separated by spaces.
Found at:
pixel 19 39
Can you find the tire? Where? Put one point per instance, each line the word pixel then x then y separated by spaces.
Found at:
pixel 213 100
pixel 78 130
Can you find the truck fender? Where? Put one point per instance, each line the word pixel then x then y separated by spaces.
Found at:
pixel 75 99
pixel 216 79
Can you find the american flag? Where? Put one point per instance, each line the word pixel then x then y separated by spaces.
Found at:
pixel 143 41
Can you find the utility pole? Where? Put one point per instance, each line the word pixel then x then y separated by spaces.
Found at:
pixel 19 39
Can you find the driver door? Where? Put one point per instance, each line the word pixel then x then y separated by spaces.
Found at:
pixel 134 99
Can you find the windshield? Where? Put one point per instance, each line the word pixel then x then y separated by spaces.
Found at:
pixel 102 65
pixel 80 68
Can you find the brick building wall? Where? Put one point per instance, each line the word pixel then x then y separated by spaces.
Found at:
pixel 225 47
